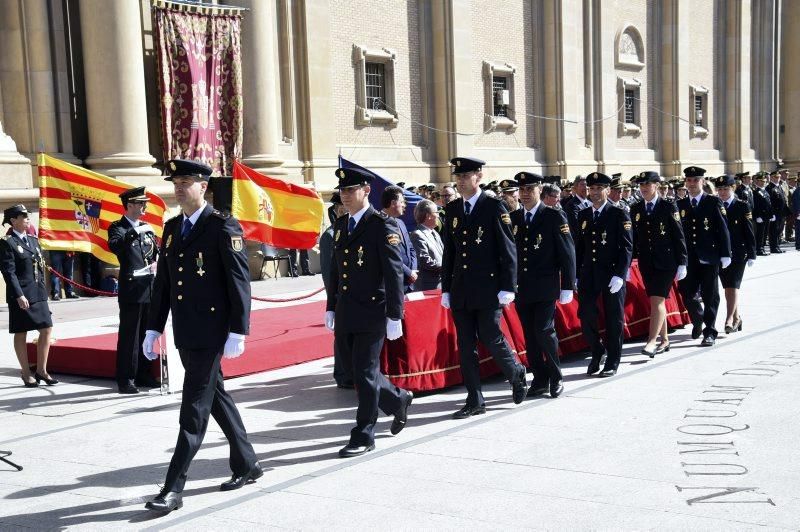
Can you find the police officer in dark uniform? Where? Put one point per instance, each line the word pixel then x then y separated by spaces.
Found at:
pixel 204 280
pixel 22 265
pixel 479 276
pixel 660 247
pixel 762 212
pixel 545 273
pixel 743 249
pixel 365 305
pixel 134 244
pixel 743 190
pixel 709 247
pixel 777 198
pixel 603 249
pixel 575 203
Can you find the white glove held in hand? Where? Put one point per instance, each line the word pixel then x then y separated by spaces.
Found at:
pixel 772 219
pixel 565 297
pixel 750 262
pixel 148 346
pixel 681 273
pixel 394 329
pixel 615 284
pixel 329 318
pixel 234 346
pixel 725 261
pixel 446 300
pixel 144 228
pixel 505 298
pixel 759 220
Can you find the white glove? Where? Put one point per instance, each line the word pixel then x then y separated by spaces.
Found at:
pixel 615 284
pixel 798 216
pixel 394 329
pixel 681 273
pixel 329 318
pixel 144 228
pixel 725 261
pixel 505 298
pixel 759 220
pixel 565 297
pixel 446 300
pixel 576 283
pixel 234 346
pixel 628 275
pixel 148 345
pixel 750 262
pixel 772 219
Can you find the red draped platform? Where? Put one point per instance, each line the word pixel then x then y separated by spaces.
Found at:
pixel 425 358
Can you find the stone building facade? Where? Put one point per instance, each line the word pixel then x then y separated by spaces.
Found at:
pixel 401 86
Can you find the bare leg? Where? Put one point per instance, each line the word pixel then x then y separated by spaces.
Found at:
pixel 731 297
pixel 658 316
pixel 22 355
pixel 664 329
pixel 42 350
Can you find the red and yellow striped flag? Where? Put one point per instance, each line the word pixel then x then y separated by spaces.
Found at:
pixel 76 206
pixel 275 212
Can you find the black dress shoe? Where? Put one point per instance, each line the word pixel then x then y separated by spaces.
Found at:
pixel 237 481
pixel 73 296
pixel 56 298
pixel 346 385
pixel 708 341
pixel 556 389
pixel 351 449
pixel 519 386
pixel 30 384
pixel 401 416
pixel 651 354
pixel 607 372
pixel 535 390
pixel 697 330
pixel 776 250
pixel 165 502
pixel 594 367
pixel 469 411
pixel 128 389
pixel 49 382
pixel 147 382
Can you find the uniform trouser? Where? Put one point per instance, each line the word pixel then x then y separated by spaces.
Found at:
pixel 203 394
pixel 775 232
pixel 305 265
pixel 342 366
pixel 788 222
pixel 541 343
pixel 373 388
pixel 761 234
pixel 131 362
pixel 63 264
pixel 589 314
pixel 796 233
pixel 704 277
pixel 483 325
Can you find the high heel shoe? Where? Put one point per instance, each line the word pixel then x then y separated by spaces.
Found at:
pixel 739 325
pixel 729 329
pixel 49 382
pixel 663 347
pixel 651 354
pixel 29 384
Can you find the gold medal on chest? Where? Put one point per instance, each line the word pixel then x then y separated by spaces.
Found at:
pixel 169 240
pixel 338 234
pixel 455 223
pixel 480 234
pixel 360 260
pixel 199 262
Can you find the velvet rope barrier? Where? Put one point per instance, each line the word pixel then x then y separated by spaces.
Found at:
pixel 288 299
pixel 79 285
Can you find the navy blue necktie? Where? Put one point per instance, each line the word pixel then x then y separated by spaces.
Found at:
pixel 187 227
pixel 694 203
pixel 596 216
pixel 528 218
pixel 467 207
pixel 351 225
pixel 649 208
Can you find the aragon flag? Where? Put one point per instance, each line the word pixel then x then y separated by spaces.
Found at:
pixel 272 211
pixel 76 206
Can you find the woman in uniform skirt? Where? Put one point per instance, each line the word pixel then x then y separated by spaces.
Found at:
pixel 743 248
pixel 22 265
pixel 659 245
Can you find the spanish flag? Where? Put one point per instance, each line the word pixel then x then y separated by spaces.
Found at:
pixel 275 212
pixel 76 206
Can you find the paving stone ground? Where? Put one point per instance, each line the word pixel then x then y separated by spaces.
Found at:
pixel 699 438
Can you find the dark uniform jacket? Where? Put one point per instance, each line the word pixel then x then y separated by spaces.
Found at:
pixel 658 239
pixel 740 227
pixel 706 232
pixel 479 255
pixel 572 206
pixel 408 255
pixel 23 268
pixel 745 193
pixel 366 282
pixel 777 199
pixel 545 255
pixel 604 249
pixel 204 280
pixel 762 206
pixel 134 251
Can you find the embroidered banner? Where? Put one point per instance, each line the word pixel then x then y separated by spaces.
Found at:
pixel 200 79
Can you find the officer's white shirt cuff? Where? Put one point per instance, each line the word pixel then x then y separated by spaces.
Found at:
pixel 236 336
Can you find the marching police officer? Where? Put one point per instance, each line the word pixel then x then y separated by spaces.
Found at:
pixel 365 305
pixel 744 191
pixel 479 271
pixel 545 273
pixel 576 203
pixel 22 265
pixel 762 212
pixel 134 244
pixel 777 198
pixel 659 244
pixel 603 249
pixel 709 247
pixel 204 280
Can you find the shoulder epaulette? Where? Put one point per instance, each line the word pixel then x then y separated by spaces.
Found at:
pixel 382 214
pixel 224 215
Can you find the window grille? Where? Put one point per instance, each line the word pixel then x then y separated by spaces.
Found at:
pixel 499 83
pixel 630 106
pixel 376 86
pixel 698 111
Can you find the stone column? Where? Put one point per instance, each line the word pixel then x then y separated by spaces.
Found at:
pixel 115 92
pixel 790 86
pixel 15 169
pixel 260 86
pixel 674 78
pixel 441 89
